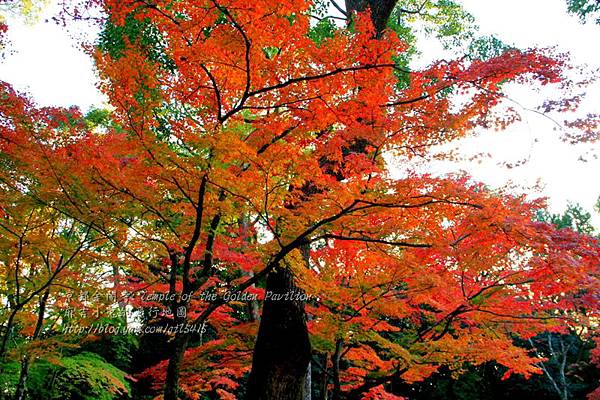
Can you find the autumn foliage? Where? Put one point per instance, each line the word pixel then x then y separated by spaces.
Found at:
pixel 238 145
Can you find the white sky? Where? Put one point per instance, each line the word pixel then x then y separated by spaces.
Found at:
pixel 563 175
pixel 45 61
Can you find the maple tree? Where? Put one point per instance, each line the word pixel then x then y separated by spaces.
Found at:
pixel 48 259
pixel 568 366
pixel 244 155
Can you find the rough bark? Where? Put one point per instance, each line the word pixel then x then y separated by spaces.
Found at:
pixel 171 390
pixel 282 352
pixel 380 11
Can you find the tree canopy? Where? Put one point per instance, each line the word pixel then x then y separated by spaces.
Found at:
pixel 243 164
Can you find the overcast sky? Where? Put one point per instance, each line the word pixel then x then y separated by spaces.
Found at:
pixel 566 173
pixel 46 62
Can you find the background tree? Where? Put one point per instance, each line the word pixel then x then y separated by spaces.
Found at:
pixel 49 260
pixel 585 9
pixel 569 370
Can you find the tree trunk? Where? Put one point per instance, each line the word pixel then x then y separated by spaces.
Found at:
pixel 380 11
pixel 20 392
pixel 335 360
pixel 282 352
pixel 21 386
pixel 253 308
pixel 118 294
pixel 171 390
pixel 307 393
pixel 325 378
pixel 6 334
